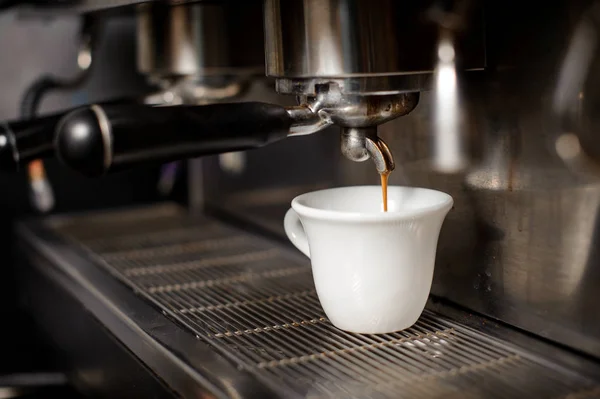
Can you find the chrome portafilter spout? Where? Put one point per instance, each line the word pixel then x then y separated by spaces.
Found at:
pixel 358 117
pixel 360 144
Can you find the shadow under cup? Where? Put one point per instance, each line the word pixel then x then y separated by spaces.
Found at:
pixel 372 269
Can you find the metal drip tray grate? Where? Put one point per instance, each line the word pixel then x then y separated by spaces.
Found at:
pixel 256 304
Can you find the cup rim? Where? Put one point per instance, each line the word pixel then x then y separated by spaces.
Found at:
pixel 325 214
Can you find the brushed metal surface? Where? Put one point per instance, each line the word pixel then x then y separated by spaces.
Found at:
pixel 200 39
pixel 255 303
pixel 61 7
pixel 521 243
pixel 187 365
pixel 352 38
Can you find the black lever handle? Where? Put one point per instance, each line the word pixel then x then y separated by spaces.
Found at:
pixel 97 139
pixel 23 141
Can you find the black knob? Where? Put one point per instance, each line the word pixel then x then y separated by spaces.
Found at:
pixel 83 141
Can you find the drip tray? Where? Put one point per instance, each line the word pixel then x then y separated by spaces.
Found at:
pixel 254 303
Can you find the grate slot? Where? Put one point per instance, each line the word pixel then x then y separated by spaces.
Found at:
pixel 188 263
pixel 197 282
pixel 126 240
pixel 98 231
pixel 174 249
pixel 258 306
pixel 237 287
pixel 187 267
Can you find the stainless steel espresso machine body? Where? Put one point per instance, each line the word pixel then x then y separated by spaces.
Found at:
pixel 491 102
pixel 519 244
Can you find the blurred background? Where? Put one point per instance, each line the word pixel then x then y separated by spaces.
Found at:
pixel 29 49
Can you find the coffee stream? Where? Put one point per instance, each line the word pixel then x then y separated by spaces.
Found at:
pixel 384 189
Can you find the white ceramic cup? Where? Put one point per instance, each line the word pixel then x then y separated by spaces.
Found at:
pixel 372 269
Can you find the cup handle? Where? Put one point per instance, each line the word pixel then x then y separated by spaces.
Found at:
pixel 295 231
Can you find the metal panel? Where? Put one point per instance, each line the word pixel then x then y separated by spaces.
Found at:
pixel 521 244
pixel 256 304
pixel 105 369
pixel 187 365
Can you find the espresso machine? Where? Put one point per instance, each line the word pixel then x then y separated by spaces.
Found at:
pixel 262 100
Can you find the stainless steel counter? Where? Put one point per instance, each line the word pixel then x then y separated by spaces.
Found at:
pixel 211 308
